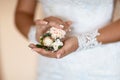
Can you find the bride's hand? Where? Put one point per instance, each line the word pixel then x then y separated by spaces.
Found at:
pixel 70 45
pixel 43 25
pixel 43 52
pixel 41 28
pixel 58 23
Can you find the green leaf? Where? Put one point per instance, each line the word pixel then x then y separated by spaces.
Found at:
pixel 59 47
pixel 46 34
pixel 39 46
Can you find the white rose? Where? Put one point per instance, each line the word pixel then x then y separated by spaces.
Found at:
pixel 56 44
pixel 47 41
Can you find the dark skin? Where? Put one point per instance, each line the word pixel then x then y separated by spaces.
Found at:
pixel 24 19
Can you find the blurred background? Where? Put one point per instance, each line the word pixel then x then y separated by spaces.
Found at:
pixel 17 61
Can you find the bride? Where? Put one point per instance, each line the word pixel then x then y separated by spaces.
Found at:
pixel 90 52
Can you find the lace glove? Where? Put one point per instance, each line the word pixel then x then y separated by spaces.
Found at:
pixel 88 40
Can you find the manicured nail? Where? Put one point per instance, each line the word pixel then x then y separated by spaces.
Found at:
pixel 31 45
pixel 45 22
pixel 58 56
pixel 62 26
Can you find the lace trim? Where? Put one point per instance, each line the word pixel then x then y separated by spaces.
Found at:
pixel 88 40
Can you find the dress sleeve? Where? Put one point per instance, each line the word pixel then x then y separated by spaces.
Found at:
pixel 31 35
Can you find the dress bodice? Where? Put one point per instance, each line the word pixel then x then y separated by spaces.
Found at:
pixel 85 14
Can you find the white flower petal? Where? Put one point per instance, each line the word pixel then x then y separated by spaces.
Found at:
pixel 47 41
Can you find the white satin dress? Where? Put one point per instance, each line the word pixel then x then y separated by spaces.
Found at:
pixel 99 63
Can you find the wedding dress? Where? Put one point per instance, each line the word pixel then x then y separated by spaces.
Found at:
pixel 98 63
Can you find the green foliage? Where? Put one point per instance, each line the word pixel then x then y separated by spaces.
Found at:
pixel 59 47
pixel 39 46
pixel 46 35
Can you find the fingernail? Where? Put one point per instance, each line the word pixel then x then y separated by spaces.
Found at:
pixel 62 26
pixel 30 46
pixel 58 56
pixel 45 22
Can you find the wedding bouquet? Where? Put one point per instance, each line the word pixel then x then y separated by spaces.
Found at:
pixel 52 39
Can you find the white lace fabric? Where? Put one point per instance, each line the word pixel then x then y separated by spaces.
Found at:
pixel 88 40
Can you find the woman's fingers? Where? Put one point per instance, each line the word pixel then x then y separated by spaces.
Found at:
pixel 31 46
pixel 41 28
pixel 63 51
pixel 60 53
pixel 70 45
pixel 58 23
pixel 68 24
pixel 37 22
pixel 42 52
pixel 55 24
pixel 42 24
pixel 52 18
